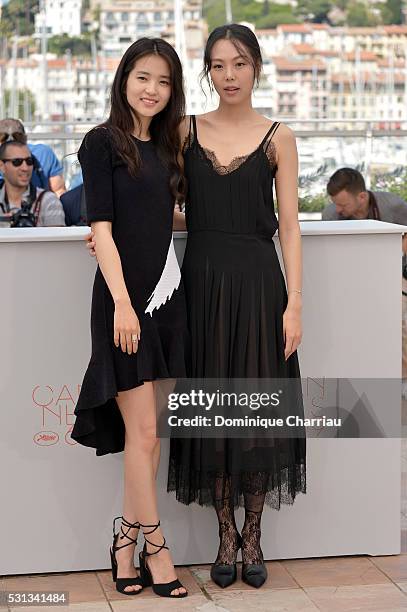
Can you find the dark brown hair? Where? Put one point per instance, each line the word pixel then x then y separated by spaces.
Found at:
pixel 9 143
pixel 164 127
pixel 346 178
pixel 244 41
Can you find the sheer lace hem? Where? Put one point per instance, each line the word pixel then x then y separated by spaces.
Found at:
pixel 269 149
pixel 278 489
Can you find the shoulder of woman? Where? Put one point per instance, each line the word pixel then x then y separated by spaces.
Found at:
pixel 284 133
pixel 97 142
pixel 97 136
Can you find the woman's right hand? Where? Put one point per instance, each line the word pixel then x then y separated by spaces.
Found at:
pixel 90 243
pixel 127 330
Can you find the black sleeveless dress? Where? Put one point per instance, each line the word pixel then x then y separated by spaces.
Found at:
pixel 236 297
pixel 141 211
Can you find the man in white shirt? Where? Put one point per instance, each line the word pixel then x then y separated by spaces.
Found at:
pixel 17 192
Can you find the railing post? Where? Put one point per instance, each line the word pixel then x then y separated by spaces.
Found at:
pixel 368 153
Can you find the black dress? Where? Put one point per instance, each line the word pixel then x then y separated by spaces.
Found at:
pixel 236 297
pixel 141 212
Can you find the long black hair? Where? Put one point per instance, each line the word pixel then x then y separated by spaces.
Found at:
pixel 244 41
pixel 164 127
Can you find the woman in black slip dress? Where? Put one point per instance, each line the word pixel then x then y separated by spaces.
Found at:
pixel 138 319
pixel 243 323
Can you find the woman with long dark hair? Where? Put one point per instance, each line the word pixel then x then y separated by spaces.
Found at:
pixel 132 177
pixel 243 321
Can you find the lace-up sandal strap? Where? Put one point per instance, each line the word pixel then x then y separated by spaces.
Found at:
pixel 129 526
pixel 125 522
pixel 158 546
pixel 154 527
pixel 147 541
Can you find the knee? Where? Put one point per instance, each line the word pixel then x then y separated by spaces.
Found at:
pixel 144 438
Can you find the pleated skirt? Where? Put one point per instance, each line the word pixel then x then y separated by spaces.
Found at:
pixel 236 297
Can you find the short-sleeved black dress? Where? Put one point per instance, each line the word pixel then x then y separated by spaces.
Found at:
pixel 141 212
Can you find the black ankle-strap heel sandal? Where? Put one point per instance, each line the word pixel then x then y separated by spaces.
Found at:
pixel 162 589
pixel 122 583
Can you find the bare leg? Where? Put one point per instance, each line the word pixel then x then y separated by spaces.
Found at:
pixel 141 457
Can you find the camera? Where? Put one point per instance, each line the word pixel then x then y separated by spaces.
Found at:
pixel 26 215
pixel 21 218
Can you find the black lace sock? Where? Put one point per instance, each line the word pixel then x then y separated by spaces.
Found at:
pixel 228 534
pixel 251 532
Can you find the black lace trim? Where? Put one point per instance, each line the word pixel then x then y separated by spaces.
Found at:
pixel 269 148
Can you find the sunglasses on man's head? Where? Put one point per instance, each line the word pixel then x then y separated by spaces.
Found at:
pixel 18 161
pixel 9 136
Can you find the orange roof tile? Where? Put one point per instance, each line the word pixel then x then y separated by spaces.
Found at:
pixel 282 63
pixel 305 48
pixel 294 27
pixel 397 63
pixel 395 29
pixel 364 56
pixel 319 26
pixel 379 77
pixel 360 30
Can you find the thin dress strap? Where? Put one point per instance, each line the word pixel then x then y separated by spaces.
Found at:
pixel 194 125
pixel 270 134
pixel 188 138
pixel 192 138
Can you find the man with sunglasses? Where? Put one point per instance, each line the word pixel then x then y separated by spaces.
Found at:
pixel 47 172
pixel 16 166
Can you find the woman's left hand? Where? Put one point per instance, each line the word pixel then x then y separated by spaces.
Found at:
pixel 292 329
pixel 91 243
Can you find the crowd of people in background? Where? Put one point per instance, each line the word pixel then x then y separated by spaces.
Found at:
pixel 33 191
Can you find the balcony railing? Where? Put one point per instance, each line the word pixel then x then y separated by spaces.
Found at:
pixel 374 147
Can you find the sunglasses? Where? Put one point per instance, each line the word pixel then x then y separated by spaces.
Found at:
pixel 18 161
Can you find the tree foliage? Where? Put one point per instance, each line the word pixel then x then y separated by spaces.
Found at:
pixel 314 10
pixel 360 15
pixel 17 17
pixel 24 104
pixel 78 45
pixel 266 14
pixel 392 12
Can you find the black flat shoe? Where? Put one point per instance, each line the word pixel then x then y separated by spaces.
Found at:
pixel 224 574
pixel 254 574
pixel 162 589
pixel 122 583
